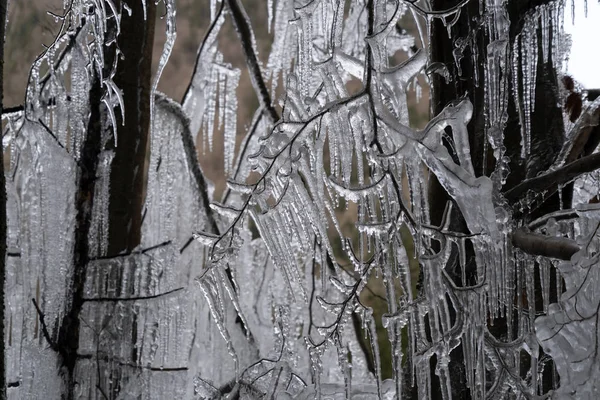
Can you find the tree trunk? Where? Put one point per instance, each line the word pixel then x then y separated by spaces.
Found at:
pixel 468 80
pixel 134 76
pixel 546 122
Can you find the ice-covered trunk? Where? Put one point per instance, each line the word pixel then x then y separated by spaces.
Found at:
pixel 42 204
pixel 462 52
pixel 503 56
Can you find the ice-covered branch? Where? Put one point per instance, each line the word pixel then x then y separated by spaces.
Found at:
pixel 543 245
pixel 438 13
pixel 554 178
pixel 246 36
pixel 45 332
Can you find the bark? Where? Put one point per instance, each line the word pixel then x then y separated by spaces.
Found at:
pixel 134 77
pixel 547 246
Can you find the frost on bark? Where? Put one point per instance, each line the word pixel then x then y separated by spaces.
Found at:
pixel 479 229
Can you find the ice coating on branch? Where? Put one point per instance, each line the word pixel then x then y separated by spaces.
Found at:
pixel 569 330
pixel 197 102
pixel 46 142
pixel 171 35
pixel 211 98
pixel 41 236
pixel 282 51
pixel 98 235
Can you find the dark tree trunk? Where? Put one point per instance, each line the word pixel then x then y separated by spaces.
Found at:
pixel 466 80
pixel 546 122
pixel 134 77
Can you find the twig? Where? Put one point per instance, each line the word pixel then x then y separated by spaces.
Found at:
pixel 136 298
pixel 45 332
pixel 102 391
pixel 242 26
pixel 142 251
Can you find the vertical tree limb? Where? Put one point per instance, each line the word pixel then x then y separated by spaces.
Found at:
pixel 134 78
pixel 466 79
pixel 68 335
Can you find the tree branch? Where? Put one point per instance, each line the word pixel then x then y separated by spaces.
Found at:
pixel 557 215
pixel 242 26
pixel 542 245
pixel 202 186
pixel 45 332
pixel 553 179
pixel 137 298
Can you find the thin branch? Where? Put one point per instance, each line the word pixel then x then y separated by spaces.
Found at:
pixel 6 111
pixel 204 42
pixel 243 150
pixel 546 246
pixel 45 332
pixel 102 391
pixel 115 299
pixel 242 26
pixel 142 251
pixel 109 359
pixel 438 13
pixel 557 215
pixel 368 356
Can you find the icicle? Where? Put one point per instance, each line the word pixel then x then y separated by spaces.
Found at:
pixel 316 368
pixel 211 288
pixel 544 269
pixel 269 15
pixel 230 115
pixel 545 19
pixel 526 54
pixel 372 330
pixel 516 69
pixel 170 41
pixel 533 62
